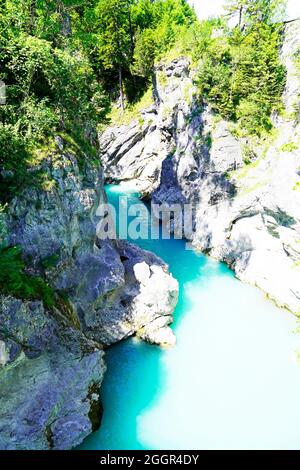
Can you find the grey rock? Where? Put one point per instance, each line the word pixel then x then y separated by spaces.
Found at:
pixel 52 361
pixel 47 373
pixel 46 402
pixel 154 295
pixel 247 216
pixel 112 303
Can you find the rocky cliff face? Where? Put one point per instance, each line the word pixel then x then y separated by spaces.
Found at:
pixel 52 359
pixel 247 212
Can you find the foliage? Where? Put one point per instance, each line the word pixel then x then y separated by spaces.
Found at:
pixel 14 281
pixel 133 111
pixel 240 72
pixel 57 58
pixel 250 12
pixel 144 53
pixel 50 81
pixel 289 147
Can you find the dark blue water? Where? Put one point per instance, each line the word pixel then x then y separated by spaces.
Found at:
pixel 231 382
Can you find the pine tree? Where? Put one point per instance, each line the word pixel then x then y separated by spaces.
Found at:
pixel 236 8
pixel 253 11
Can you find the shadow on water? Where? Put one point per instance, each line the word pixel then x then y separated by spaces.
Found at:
pixel 232 381
pixel 132 382
pixel 135 371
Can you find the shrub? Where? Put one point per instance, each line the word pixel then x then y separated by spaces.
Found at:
pixel 14 281
pixel 241 76
pixel 289 147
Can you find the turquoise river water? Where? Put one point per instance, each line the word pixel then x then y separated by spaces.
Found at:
pixel 231 382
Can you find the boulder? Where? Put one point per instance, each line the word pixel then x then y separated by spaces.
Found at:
pixel 52 359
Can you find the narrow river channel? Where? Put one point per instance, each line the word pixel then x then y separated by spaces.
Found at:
pixel 231 382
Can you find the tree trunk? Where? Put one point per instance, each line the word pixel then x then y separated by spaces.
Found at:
pixel 121 88
pixel 155 90
pixel 131 33
pixel 66 24
pixel 240 17
pixel 32 12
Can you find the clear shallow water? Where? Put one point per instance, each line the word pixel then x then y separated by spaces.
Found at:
pixel 232 381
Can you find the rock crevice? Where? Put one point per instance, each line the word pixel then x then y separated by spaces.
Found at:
pixel 52 358
pixel 247 213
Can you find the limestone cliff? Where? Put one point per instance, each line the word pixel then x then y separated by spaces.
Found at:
pixel 52 358
pixel 246 194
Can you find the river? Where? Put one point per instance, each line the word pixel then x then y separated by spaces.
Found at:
pixel 231 382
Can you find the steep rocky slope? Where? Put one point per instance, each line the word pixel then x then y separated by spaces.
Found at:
pixel 51 358
pixel 246 197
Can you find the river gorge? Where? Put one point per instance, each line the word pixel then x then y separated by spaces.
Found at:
pixel 231 382
pixel 151 343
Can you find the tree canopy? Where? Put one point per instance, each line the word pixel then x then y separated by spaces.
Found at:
pixel 65 61
pixel 241 75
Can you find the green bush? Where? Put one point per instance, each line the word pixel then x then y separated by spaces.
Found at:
pixel 13 147
pixel 289 147
pixel 240 74
pixel 14 281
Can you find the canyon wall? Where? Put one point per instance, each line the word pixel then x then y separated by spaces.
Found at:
pixel 245 193
pixel 52 357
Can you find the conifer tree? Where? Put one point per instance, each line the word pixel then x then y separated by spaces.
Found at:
pixel 253 11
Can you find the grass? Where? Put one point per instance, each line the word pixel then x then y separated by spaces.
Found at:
pixel 244 172
pixel 183 46
pixel 14 281
pixel 132 112
pixel 162 79
pixel 75 142
pixel 249 178
pixel 289 147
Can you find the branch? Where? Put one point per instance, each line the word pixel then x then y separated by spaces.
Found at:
pixel 291 21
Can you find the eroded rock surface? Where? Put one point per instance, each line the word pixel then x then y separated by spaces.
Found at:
pixel 52 359
pixel 246 213
pixel 50 376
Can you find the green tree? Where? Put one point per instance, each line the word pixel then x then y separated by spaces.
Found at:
pixel 114 37
pixel 240 72
pixel 51 84
pixel 144 15
pixel 252 11
pixel 144 58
